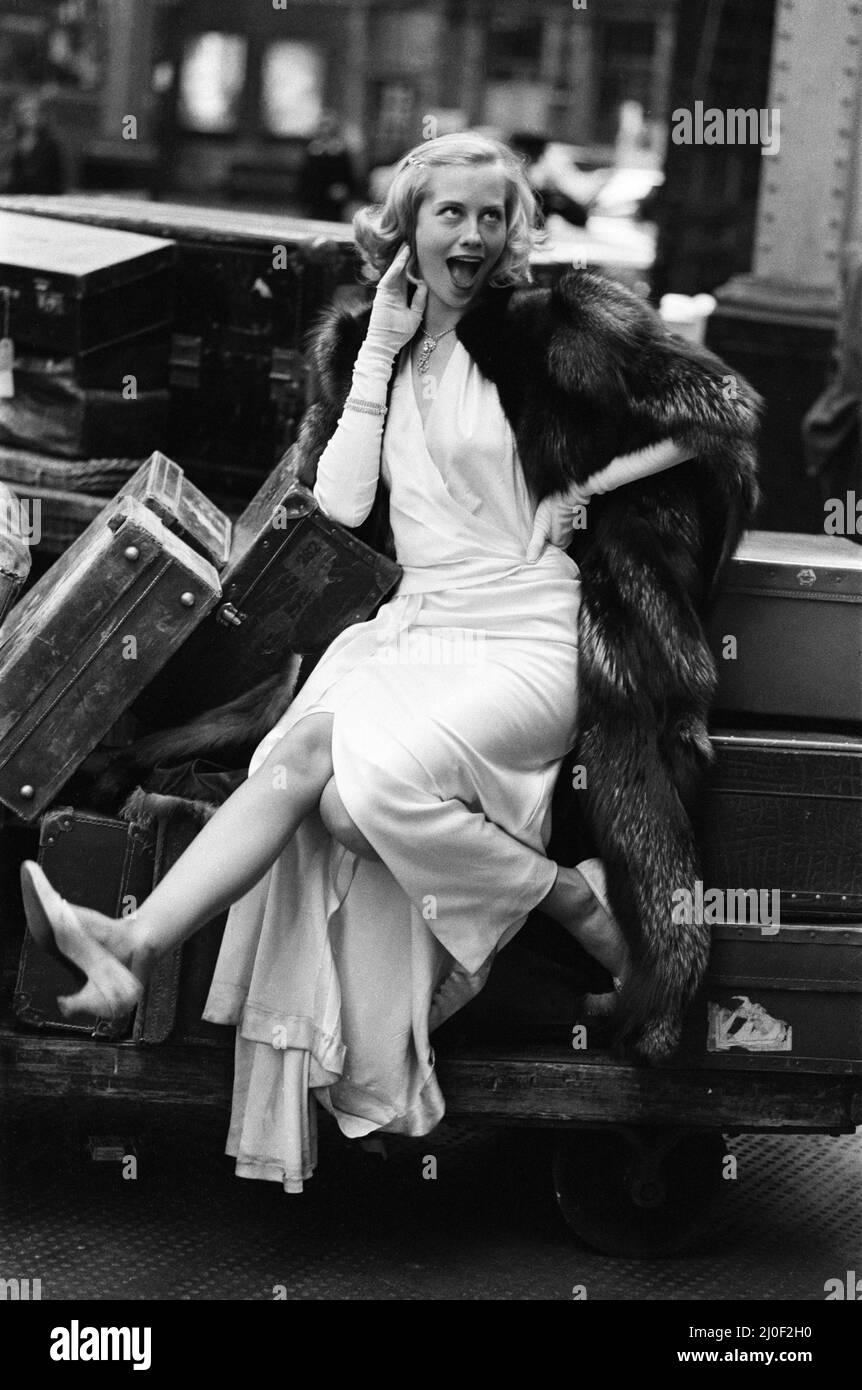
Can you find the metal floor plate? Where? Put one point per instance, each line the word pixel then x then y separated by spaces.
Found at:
pixel 486 1228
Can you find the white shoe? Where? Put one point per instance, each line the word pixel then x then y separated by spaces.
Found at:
pixel 111 991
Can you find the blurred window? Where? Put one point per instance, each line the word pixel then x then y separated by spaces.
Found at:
pixel 211 83
pixel 291 88
pixel 57 42
pixel 626 69
pixel 514 48
pixel 394 128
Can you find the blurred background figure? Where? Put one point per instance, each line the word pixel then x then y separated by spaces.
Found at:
pixel 327 180
pixel 35 157
pixel 562 187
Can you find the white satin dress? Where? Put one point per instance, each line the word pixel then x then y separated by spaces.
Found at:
pixel 453 709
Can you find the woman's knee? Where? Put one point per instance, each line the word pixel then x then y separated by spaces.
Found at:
pixel 304 753
pixel 341 824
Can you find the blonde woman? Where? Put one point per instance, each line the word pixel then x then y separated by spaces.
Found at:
pixel 391 836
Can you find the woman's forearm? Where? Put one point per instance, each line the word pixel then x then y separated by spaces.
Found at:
pixel 642 463
pixel 349 466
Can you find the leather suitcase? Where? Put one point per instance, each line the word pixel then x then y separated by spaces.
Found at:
pixel 293 582
pixel 99 862
pixel 52 413
pixel 784 814
pixel 14 548
pixel 787 1001
pixel 163 487
pixel 111 618
pixel 793 606
pixel 159 484
pixel 73 288
pixel 249 286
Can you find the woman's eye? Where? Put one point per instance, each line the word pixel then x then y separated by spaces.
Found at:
pixel 492 216
pixel 449 212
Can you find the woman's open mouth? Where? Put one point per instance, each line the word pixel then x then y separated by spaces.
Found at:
pixel 464 270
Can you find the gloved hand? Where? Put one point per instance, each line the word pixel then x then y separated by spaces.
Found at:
pixel 393 321
pixel 554 522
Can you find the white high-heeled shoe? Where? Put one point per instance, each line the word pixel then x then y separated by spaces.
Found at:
pixel 111 990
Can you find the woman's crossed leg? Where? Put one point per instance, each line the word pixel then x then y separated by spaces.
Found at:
pixel 229 856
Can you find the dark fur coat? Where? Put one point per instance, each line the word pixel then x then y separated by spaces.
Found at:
pixel 586 372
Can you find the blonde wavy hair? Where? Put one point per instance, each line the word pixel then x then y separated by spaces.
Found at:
pixel 380 230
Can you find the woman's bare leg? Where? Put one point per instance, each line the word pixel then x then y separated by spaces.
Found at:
pixel 228 856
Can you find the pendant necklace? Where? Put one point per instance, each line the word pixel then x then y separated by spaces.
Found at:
pixel 429 342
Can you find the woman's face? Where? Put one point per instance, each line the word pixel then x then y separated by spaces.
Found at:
pixel 461 230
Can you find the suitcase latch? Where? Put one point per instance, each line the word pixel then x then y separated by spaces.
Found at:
pixel 806 578
pixel 229 616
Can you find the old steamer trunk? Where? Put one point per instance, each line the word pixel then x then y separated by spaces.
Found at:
pixel 248 288
pixel 88 310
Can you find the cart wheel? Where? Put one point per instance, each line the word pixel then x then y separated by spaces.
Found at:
pixel 637 1192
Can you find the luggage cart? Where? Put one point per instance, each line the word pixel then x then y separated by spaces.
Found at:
pixel 636 1155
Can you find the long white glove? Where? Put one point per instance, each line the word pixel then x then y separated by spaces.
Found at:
pixel 554 522
pixel 349 466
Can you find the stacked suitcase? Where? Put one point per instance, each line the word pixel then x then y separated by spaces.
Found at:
pixel 247 288
pixel 86 314
pixel 783 872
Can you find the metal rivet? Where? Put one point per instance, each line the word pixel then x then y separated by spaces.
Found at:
pixel 27 792
pixel 187 599
pixel 131 552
